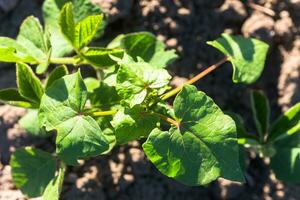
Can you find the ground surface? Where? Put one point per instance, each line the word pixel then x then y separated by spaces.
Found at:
pixel 184 25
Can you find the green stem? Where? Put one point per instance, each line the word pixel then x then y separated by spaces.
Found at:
pixel 104 113
pixel 194 79
pixel 65 61
pixel 167 119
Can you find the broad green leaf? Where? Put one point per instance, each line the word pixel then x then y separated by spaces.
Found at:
pixel 246 55
pixel 286 162
pixel 133 124
pixel 201 147
pixel 146 46
pixel 135 80
pixel 32 170
pixel 53 189
pixel 11 51
pixel 86 30
pixel 30 122
pixel 12 97
pixel 51 10
pixel 29 85
pixel 32 37
pixel 100 57
pixel 261 112
pixel 287 124
pixel 56 74
pixel 104 96
pixel 62 106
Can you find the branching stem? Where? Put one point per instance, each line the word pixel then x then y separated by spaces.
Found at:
pixel 167 119
pixel 194 79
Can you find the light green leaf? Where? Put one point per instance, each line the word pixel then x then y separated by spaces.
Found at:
pixel 246 55
pixel 286 162
pixel 56 74
pixel 135 80
pixel 62 106
pixel 67 23
pixel 43 66
pixel 30 122
pixel 12 97
pixel 287 124
pixel 146 46
pixel 261 112
pixel 32 37
pixel 133 124
pixel 203 145
pixel 51 10
pixel 100 57
pixel 86 30
pixel 91 84
pixel 32 170
pixel 53 189
pixel 29 85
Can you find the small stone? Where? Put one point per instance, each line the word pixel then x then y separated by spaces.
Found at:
pixel 128 177
pixel 184 11
pixel 172 42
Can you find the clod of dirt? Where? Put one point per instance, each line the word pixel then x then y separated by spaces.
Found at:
pixel 8 5
pixel 259 26
pixel 284 26
pixel 233 11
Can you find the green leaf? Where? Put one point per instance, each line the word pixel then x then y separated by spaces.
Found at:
pixel 11 51
pixel 29 85
pixel 132 124
pixel 286 162
pixel 104 96
pixel 146 46
pixel 43 66
pixel 51 10
pixel 53 189
pixel 261 112
pixel 91 84
pixel 12 97
pixel 135 80
pixel 287 124
pixel 86 30
pixel 62 106
pixel 67 23
pixel 32 170
pixel 246 55
pixel 30 122
pixel 100 57
pixel 56 74
pixel 202 147
pixel 32 37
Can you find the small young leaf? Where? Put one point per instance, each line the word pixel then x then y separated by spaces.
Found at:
pixel 29 85
pixel 146 46
pixel 57 73
pixel 261 112
pixel 132 124
pixel 203 145
pixel 100 57
pixel 30 122
pixel 78 136
pixel 136 79
pixel 53 189
pixel 12 96
pixel 32 170
pixel 86 30
pixel 67 23
pixel 287 124
pixel 32 37
pixel 246 55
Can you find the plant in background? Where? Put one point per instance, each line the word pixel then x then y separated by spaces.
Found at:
pixel 280 140
pixel 192 141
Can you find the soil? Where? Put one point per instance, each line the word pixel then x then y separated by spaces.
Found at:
pixel 184 25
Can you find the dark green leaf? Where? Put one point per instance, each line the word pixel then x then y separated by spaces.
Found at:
pixel 132 124
pixel 57 73
pixel 146 46
pixel 202 147
pixel 62 106
pixel 12 96
pixel 53 189
pixel 287 124
pixel 261 112
pixel 100 57
pixel 246 55
pixel 29 85
pixel 32 170
pixel 104 96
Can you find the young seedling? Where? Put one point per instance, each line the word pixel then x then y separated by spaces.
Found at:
pixel 193 142
pixel 280 140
